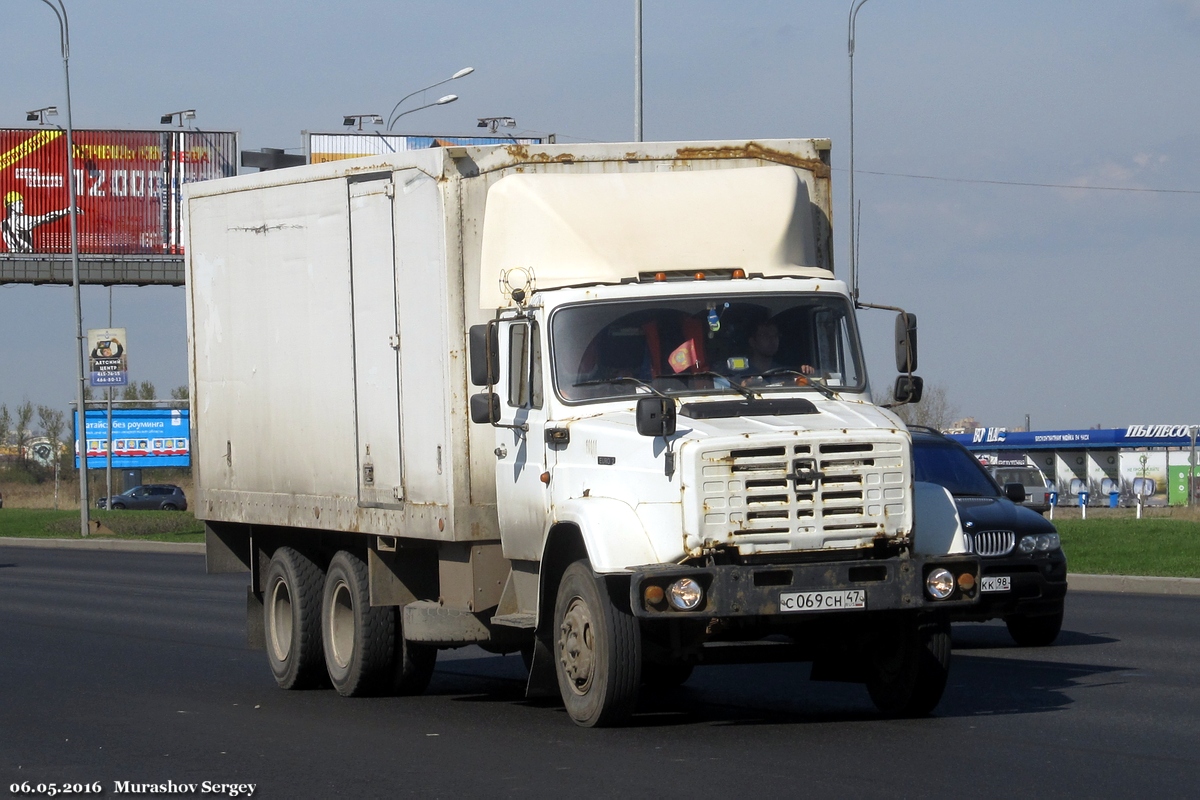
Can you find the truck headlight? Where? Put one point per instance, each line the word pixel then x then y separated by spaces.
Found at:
pixel 940 584
pixel 685 594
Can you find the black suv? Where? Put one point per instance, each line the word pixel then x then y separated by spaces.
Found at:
pixel 1022 566
pixel 159 496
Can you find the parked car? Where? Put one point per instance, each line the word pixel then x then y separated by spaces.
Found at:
pixel 1037 490
pixel 158 496
pixel 1023 570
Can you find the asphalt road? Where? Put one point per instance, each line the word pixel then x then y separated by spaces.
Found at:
pixel 131 667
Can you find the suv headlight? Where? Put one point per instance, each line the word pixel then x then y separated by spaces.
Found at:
pixel 1041 543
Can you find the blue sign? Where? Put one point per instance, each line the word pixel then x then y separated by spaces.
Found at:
pixel 1053 498
pixel 995 439
pixel 141 438
pixel 1083 498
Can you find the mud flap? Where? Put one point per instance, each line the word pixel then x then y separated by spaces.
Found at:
pixel 543 677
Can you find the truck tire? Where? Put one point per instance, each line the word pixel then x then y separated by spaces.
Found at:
pixel 292 620
pixel 597 650
pixel 413 663
pixel 1035 631
pixel 359 640
pixel 909 666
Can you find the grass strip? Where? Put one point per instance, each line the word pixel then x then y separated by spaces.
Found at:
pixel 1168 548
pixel 151 526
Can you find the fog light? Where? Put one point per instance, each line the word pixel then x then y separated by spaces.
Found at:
pixel 685 594
pixel 966 582
pixel 940 584
pixel 653 595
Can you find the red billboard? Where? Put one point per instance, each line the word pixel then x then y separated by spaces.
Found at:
pixel 127 185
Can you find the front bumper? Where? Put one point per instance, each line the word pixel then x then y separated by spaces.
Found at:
pixel 1039 584
pixel 732 591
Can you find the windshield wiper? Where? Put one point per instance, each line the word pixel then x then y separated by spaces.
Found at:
pixel 744 392
pixel 622 379
pixel 810 380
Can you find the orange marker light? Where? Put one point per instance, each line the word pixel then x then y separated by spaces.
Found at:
pixel 546 477
pixel 699 276
pixel 738 274
pixel 966 581
pixel 660 277
pixel 653 594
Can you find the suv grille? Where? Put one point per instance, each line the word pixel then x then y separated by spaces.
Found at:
pixel 829 491
pixel 993 543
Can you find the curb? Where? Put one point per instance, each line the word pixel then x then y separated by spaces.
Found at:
pixel 1134 584
pixel 114 545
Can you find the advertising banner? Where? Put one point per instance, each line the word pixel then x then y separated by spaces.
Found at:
pixel 322 147
pixel 127 184
pixel 108 360
pixel 142 438
pixel 1144 475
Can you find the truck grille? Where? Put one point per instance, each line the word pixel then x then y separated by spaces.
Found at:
pixel 803 496
pixel 993 543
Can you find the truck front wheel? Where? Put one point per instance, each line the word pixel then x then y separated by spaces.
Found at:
pixel 597 649
pixel 359 640
pixel 292 619
pixel 909 664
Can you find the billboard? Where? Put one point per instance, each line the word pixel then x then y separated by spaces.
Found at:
pixel 141 438
pixel 322 147
pixel 127 184
pixel 108 359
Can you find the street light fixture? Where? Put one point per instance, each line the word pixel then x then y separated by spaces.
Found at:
pixel 351 119
pixel 166 119
pixel 64 40
pixel 441 101
pixel 497 122
pixel 462 73
pixel 39 115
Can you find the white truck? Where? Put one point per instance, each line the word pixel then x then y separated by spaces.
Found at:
pixel 601 404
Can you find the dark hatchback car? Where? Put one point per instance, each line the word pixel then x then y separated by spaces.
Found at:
pixel 155 497
pixel 1023 569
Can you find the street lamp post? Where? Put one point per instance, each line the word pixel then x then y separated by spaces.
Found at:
pixel 854 7
pixel 462 73
pixel 441 101
pixel 64 37
pixel 637 70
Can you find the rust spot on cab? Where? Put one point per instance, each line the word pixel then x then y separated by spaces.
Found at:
pixel 520 152
pixel 755 150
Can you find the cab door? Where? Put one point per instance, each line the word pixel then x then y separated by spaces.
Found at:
pixel 522 498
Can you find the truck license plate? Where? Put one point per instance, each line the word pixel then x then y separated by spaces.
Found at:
pixel 999 583
pixel 823 601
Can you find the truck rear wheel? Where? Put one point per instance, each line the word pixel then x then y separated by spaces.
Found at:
pixel 359 640
pixel 597 649
pixel 909 665
pixel 292 619
pixel 1035 631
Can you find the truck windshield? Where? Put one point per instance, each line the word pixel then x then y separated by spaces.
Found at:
pixel 692 345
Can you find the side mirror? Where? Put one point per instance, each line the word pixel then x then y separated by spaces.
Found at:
pixel 906 342
pixel 656 416
pixel 485 408
pixel 482 350
pixel 1014 492
pixel 908 389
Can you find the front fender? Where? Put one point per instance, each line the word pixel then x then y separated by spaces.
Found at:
pixel 614 536
pixel 937 528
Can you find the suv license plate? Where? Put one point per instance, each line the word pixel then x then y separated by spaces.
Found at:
pixel 847 600
pixel 1002 583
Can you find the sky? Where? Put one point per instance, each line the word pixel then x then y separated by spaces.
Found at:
pixel 1078 307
